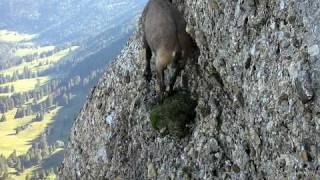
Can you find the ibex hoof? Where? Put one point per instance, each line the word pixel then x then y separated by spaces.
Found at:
pixel 147 76
pixel 171 92
pixel 159 99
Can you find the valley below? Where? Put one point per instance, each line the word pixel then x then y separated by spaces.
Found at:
pixel 30 104
pixel 44 82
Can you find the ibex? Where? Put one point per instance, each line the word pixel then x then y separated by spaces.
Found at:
pixel 165 36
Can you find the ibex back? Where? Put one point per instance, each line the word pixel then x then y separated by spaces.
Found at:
pixel 164 36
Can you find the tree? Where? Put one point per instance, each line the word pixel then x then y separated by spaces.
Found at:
pixel 77 80
pixel 12 89
pixel 19 167
pixel 49 101
pixel 35 175
pixel 38 155
pixel 65 99
pixel 20 113
pixel 3 167
pixel 39 116
pixel 44 146
pixel 12 159
pixel 27 157
pixel 42 174
pixel 3 118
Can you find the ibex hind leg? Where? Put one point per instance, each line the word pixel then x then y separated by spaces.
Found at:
pixel 147 72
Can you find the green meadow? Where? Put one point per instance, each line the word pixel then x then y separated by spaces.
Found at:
pixel 14 37
pixel 27 51
pixel 25 85
pixel 21 142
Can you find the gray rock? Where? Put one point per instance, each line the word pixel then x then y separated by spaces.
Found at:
pixel 314 50
pixel 151 171
pixel 303 86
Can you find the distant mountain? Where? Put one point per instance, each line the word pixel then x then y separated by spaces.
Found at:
pixel 66 21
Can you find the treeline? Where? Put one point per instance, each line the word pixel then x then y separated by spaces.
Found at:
pixel 3 167
pixel 18 100
pixel 27 73
pixel 39 151
pixel 6 89
pixel 58 94
pixel 40 108
pixel 32 57
pixel 8 58
pixel 3 118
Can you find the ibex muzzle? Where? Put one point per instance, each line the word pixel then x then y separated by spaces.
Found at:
pixel 164 36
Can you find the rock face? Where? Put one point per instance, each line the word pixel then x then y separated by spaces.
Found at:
pixel 257 85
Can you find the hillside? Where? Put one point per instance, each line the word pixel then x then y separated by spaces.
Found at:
pixel 256 83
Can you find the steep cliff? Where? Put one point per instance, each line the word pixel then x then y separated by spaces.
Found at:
pixel 256 81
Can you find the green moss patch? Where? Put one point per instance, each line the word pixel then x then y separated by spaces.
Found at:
pixel 173 115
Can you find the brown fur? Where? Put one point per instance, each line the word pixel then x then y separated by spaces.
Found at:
pixel 165 37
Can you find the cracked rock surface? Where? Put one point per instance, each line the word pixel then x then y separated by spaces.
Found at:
pixel 257 85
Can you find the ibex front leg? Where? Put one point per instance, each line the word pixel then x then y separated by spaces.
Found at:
pixel 162 86
pixel 177 69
